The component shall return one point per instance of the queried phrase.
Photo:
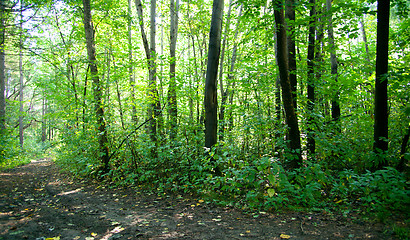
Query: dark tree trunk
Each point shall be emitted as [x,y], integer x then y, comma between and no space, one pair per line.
[290,16]
[380,105]
[2,68]
[311,145]
[290,114]
[99,110]
[210,99]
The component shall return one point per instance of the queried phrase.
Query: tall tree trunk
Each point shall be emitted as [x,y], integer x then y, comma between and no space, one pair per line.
[99,110]
[221,63]
[290,16]
[381,113]
[221,70]
[210,99]
[2,68]
[155,106]
[228,93]
[311,145]
[154,109]
[290,114]
[134,116]
[21,96]
[172,91]
[333,62]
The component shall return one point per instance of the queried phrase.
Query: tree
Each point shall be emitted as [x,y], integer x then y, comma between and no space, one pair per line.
[381,113]
[154,109]
[290,114]
[97,87]
[172,94]
[228,92]
[221,70]
[210,98]
[2,67]
[21,95]
[333,62]
[311,79]
[134,116]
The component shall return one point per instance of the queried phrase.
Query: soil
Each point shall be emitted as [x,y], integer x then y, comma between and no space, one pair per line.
[39,202]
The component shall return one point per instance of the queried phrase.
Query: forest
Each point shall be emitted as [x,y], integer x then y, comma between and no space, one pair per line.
[256,104]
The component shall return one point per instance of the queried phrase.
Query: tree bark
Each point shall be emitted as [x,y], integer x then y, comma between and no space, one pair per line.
[311,145]
[290,114]
[2,68]
[172,91]
[99,110]
[380,105]
[210,98]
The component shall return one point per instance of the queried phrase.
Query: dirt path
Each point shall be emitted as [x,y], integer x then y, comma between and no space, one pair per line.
[38,202]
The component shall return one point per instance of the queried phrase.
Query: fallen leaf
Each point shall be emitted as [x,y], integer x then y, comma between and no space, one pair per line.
[94,234]
[284,236]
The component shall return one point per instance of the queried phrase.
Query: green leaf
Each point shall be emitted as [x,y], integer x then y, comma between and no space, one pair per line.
[271,192]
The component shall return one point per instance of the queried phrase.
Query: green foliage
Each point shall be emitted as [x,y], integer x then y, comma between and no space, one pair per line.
[10,151]
[376,191]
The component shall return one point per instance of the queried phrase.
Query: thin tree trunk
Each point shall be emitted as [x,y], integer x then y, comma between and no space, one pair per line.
[221,70]
[43,119]
[85,96]
[228,93]
[381,113]
[210,99]
[333,62]
[290,16]
[2,68]
[172,94]
[311,145]
[291,118]
[154,109]
[21,96]
[99,110]
[134,117]
[366,44]
[107,83]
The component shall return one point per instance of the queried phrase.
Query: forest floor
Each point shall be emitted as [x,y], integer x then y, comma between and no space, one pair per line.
[38,202]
